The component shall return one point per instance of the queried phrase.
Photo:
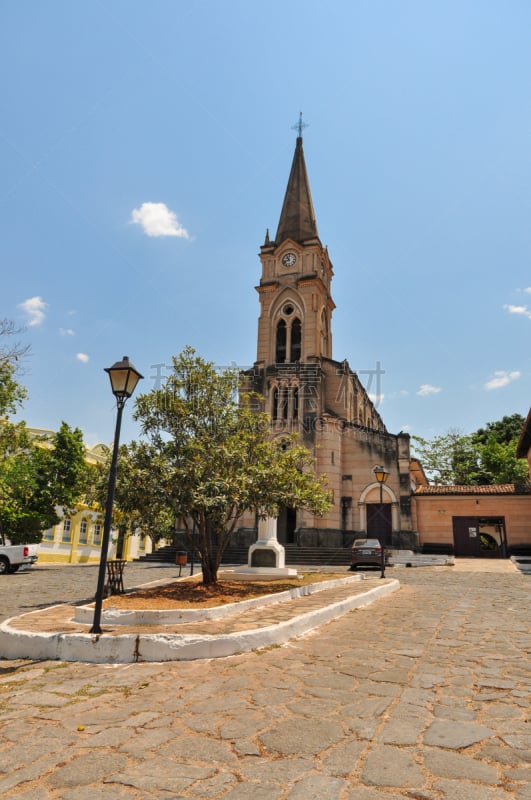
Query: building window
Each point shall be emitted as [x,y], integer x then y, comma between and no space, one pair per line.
[324,334]
[83,532]
[296,339]
[280,351]
[49,535]
[284,400]
[288,341]
[66,534]
[97,535]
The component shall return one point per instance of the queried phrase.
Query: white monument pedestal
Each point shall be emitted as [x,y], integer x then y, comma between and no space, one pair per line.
[266,556]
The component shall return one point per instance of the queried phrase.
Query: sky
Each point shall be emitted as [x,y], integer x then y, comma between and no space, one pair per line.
[145,148]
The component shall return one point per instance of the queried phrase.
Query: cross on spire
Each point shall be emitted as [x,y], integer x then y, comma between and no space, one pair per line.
[299,127]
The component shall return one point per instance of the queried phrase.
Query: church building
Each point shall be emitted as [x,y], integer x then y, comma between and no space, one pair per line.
[307,391]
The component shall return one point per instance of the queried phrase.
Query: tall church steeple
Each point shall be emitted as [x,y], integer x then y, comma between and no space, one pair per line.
[296,304]
[297,218]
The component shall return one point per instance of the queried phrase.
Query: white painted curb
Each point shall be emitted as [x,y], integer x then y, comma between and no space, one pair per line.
[131,648]
[121,616]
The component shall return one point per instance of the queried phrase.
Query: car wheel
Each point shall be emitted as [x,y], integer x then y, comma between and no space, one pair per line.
[4,565]
[13,568]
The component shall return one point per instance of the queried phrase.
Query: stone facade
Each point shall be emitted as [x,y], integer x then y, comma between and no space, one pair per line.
[306,391]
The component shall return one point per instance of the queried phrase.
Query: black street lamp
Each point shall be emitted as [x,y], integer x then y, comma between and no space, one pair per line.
[381,476]
[124,378]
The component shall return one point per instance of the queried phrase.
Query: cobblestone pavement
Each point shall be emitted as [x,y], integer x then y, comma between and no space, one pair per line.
[425,694]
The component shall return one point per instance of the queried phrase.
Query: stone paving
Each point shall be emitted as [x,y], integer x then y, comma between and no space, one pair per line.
[424,694]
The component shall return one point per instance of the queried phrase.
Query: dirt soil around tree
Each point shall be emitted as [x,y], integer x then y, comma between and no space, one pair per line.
[191,593]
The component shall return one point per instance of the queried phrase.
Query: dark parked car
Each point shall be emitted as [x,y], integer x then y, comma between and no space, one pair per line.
[366,553]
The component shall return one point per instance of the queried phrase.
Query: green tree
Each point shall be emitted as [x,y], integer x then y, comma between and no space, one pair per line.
[140,502]
[500,464]
[37,477]
[449,459]
[40,480]
[485,457]
[503,431]
[216,459]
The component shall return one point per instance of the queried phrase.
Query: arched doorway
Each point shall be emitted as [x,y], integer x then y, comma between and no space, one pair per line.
[379,522]
[379,514]
[286,525]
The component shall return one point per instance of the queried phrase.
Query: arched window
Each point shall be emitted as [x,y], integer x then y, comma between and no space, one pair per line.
[283,401]
[296,402]
[280,351]
[275,403]
[324,334]
[295,340]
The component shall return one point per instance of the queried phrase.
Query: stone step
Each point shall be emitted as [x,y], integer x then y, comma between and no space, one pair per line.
[312,556]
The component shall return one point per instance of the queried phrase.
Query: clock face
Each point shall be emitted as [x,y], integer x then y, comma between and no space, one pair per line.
[289,259]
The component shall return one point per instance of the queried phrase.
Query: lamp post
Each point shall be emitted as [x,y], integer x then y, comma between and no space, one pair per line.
[124,378]
[381,475]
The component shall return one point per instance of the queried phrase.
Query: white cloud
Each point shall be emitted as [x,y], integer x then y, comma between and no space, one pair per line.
[67,332]
[528,290]
[426,389]
[34,308]
[83,357]
[518,309]
[157,219]
[501,378]
[376,398]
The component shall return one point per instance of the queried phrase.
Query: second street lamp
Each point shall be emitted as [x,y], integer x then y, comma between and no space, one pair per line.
[381,475]
[124,378]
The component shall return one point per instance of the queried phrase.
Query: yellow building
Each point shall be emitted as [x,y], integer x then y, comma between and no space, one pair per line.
[76,539]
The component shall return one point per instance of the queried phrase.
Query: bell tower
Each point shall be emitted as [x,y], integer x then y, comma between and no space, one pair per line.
[307,392]
[295,301]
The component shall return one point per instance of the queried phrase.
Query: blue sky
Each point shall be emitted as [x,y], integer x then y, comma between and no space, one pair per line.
[145,149]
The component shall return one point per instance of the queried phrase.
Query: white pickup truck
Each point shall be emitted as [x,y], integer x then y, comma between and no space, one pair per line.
[13,556]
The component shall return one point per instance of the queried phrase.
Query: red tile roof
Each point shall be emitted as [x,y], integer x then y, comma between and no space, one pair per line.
[504,488]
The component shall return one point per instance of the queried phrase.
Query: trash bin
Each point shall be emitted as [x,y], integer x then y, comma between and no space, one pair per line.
[181,559]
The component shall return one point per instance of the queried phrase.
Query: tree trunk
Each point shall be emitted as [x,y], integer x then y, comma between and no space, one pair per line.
[209,555]
[210,572]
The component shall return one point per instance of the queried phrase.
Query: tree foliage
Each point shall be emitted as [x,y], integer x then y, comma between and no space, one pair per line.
[37,480]
[504,431]
[140,503]
[212,459]
[36,476]
[485,457]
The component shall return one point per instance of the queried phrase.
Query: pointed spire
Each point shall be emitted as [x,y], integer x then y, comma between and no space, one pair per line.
[297,218]
[267,239]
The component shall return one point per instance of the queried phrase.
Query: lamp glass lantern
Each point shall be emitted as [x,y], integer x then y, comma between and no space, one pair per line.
[124,378]
[381,474]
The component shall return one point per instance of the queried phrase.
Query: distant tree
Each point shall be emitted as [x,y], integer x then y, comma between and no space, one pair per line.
[485,457]
[449,459]
[503,431]
[216,459]
[500,464]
